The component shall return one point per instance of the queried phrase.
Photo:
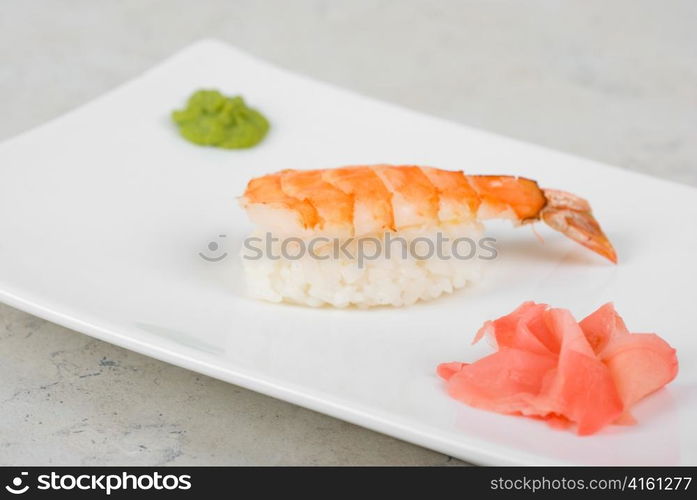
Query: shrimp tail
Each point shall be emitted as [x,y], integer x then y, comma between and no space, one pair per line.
[571,215]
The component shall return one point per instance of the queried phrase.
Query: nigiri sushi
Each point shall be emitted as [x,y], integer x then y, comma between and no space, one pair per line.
[310,214]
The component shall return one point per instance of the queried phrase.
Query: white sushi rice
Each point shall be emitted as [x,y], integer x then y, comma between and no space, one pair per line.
[394,280]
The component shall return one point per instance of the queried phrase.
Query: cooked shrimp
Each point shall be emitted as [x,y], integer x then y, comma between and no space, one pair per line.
[362,200]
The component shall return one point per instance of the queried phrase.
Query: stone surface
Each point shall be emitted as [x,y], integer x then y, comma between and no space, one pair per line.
[613,81]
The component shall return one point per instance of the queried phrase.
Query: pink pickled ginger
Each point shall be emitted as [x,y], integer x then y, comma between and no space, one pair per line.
[550,367]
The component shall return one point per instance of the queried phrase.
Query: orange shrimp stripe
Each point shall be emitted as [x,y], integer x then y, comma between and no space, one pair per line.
[329,196]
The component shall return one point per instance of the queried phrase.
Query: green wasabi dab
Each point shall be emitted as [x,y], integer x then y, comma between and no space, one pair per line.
[212,119]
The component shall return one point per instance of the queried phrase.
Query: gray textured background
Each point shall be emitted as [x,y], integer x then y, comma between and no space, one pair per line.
[613,80]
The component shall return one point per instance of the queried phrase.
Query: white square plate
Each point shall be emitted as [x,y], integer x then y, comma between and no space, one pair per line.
[103,213]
